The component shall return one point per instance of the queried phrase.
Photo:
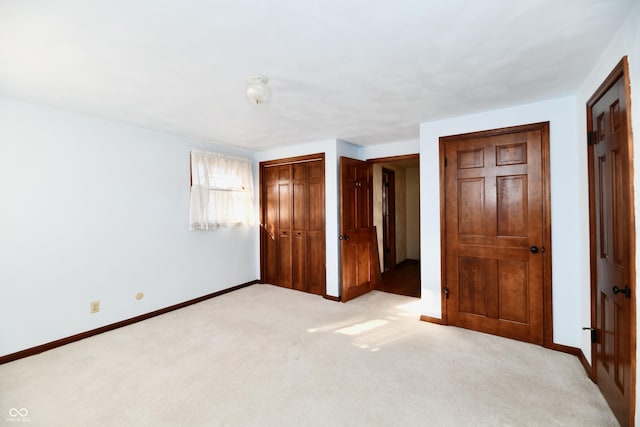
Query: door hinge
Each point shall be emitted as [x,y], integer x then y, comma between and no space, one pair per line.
[591,137]
[594,334]
[445,162]
[446,293]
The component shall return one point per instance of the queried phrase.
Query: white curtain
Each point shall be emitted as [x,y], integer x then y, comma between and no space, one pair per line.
[221,191]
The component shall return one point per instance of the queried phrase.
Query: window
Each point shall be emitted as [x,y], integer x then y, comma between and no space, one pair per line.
[221,191]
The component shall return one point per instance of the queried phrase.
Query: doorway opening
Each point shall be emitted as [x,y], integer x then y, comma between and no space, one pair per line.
[396,216]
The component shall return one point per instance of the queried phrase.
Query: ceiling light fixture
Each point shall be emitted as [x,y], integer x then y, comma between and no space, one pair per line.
[257,90]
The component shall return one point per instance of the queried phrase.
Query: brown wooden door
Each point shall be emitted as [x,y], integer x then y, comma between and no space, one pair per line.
[277,225]
[611,213]
[308,234]
[356,228]
[270,221]
[315,254]
[285,224]
[494,239]
[300,198]
[293,223]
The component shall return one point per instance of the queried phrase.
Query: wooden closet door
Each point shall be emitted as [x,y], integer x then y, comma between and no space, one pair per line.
[299,219]
[293,223]
[270,205]
[315,249]
[284,229]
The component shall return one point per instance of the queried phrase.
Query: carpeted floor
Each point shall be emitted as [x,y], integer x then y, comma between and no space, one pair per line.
[266,356]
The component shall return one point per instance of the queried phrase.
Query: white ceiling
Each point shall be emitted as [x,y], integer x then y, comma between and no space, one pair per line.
[367,72]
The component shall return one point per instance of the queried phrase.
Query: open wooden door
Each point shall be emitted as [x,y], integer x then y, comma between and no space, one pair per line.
[612,244]
[357,234]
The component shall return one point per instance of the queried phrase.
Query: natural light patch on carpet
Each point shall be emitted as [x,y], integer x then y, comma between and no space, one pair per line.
[414,308]
[336,325]
[362,327]
[381,337]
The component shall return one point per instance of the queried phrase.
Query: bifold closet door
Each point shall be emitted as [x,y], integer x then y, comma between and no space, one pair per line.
[294,225]
[308,250]
[285,194]
[315,240]
[300,202]
[269,221]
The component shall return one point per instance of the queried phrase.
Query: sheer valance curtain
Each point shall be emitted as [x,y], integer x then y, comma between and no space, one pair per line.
[221,191]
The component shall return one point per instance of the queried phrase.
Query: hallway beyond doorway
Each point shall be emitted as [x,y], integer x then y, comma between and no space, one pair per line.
[404,279]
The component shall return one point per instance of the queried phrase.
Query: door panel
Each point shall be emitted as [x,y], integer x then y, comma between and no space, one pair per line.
[610,190]
[511,206]
[493,215]
[270,220]
[284,226]
[300,200]
[513,289]
[471,210]
[357,232]
[299,227]
[315,243]
[474,282]
[298,261]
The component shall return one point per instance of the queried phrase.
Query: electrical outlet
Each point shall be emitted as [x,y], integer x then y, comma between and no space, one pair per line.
[94,306]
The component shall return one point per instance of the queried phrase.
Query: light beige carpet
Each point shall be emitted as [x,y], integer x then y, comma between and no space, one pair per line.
[267,356]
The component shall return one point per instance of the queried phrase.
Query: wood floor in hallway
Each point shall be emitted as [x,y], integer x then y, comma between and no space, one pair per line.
[404,279]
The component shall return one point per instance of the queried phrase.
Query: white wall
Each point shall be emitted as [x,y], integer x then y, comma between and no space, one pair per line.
[376,175]
[569,260]
[625,42]
[400,148]
[413,213]
[93,210]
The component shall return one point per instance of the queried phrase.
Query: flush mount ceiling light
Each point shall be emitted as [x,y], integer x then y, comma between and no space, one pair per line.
[257,90]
